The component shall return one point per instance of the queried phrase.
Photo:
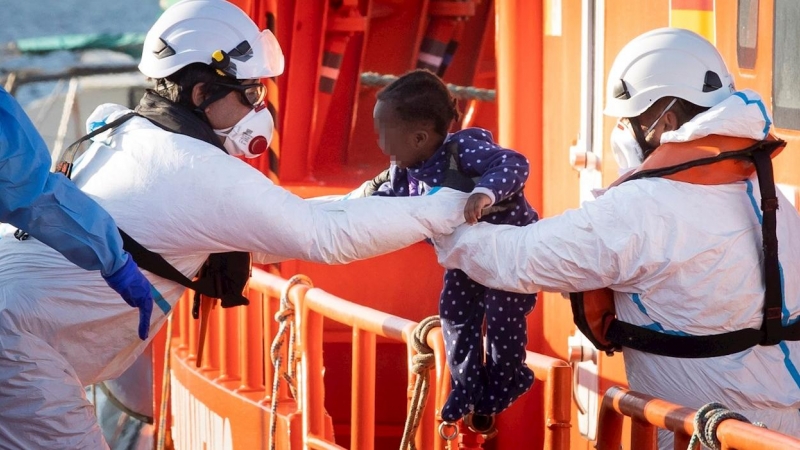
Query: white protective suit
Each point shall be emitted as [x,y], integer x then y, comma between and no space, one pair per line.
[681,258]
[62,327]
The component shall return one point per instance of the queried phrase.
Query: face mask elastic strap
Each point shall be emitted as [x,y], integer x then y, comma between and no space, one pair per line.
[660,116]
[637,133]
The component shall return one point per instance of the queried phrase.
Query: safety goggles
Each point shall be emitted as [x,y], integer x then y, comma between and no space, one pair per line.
[252,94]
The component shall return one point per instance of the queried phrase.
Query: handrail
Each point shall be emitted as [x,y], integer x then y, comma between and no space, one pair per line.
[557,376]
[368,323]
[649,413]
[241,371]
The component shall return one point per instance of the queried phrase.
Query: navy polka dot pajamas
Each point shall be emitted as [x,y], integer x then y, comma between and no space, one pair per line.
[484,380]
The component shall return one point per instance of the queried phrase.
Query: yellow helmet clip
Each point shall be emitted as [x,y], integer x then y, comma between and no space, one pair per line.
[220,61]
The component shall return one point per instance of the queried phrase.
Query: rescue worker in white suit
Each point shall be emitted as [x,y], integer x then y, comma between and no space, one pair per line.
[50,208]
[682,258]
[168,178]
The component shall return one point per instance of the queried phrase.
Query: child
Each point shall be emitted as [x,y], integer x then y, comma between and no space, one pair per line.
[412,118]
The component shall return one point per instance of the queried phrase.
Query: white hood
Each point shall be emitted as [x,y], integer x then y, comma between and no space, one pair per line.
[743,114]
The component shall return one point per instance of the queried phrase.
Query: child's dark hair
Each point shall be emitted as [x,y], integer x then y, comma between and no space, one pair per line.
[421,96]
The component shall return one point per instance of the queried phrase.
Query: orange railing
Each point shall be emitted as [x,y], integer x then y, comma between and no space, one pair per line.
[234,383]
[647,414]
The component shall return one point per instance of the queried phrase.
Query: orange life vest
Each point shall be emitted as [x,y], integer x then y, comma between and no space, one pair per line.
[709,160]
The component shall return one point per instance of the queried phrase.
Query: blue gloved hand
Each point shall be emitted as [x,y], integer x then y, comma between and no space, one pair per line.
[134,288]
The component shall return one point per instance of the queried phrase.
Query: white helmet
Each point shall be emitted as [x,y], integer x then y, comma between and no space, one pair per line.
[667,62]
[191,31]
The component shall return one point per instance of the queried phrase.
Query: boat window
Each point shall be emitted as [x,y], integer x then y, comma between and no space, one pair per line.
[746,36]
[786,65]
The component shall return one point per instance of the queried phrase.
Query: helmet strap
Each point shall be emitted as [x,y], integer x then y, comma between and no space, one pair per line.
[201,108]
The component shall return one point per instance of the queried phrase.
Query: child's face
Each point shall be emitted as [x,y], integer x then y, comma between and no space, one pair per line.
[406,143]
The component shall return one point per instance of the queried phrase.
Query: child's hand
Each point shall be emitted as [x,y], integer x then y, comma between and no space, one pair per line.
[475,204]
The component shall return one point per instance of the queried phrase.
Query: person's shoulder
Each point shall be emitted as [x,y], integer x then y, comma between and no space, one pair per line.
[472,133]
[645,193]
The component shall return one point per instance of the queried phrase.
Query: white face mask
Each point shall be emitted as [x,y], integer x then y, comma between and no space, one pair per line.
[627,151]
[250,137]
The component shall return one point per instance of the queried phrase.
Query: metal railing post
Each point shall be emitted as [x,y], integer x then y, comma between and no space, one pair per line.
[362,403]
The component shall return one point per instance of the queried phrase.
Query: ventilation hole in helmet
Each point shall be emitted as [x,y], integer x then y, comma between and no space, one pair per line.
[621,90]
[243,49]
[162,49]
[712,82]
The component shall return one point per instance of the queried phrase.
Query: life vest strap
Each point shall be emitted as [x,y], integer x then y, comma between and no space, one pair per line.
[679,346]
[773,295]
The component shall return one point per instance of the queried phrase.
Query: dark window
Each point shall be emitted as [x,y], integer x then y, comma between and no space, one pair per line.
[746,36]
[786,65]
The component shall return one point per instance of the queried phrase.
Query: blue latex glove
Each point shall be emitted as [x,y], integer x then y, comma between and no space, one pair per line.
[134,288]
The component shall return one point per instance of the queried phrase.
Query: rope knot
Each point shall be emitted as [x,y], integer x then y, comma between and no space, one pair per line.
[422,362]
[284,314]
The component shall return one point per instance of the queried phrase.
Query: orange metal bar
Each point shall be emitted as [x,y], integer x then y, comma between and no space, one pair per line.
[251,336]
[183,316]
[312,385]
[332,56]
[352,314]
[649,412]
[158,345]
[362,405]
[228,344]
[609,424]
[557,376]
[343,22]
[519,48]
[734,434]
[272,168]
[210,344]
[643,433]
[300,104]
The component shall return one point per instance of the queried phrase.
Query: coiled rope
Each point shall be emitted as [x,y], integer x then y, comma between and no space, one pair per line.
[285,317]
[706,422]
[421,364]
